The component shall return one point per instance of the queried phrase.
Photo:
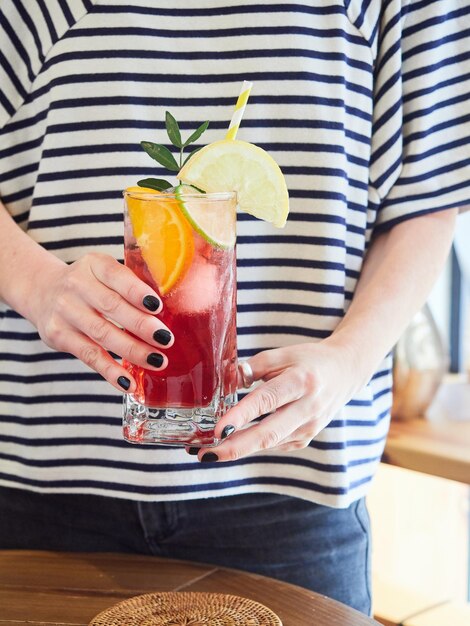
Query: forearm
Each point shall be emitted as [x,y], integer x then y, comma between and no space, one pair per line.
[398,273]
[22,265]
[85,308]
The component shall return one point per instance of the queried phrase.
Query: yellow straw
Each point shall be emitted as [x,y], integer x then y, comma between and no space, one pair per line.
[239,110]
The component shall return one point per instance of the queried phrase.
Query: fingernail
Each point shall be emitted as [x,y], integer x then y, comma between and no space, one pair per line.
[162,336]
[151,303]
[124,382]
[209,457]
[193,451]
[155,359]
[228,430]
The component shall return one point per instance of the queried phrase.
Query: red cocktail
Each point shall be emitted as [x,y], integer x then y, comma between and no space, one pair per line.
[183,246]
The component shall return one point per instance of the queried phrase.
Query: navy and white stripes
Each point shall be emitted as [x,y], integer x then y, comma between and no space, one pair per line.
[363,103]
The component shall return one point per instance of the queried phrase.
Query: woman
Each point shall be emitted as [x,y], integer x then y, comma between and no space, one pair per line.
[362,105]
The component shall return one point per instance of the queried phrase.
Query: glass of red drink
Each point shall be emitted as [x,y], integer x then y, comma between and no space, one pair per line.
[182,244]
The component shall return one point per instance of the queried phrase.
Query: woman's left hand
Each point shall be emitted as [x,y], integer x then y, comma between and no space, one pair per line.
[304,386]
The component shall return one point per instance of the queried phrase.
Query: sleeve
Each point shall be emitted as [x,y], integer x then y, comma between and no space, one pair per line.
[28,30]
[420,153]
[20,57]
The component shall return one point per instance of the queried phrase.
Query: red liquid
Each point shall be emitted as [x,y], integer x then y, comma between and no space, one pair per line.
[200,312]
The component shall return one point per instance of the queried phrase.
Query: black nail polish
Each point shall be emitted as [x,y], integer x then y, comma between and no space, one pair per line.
[228,430]
[151,303]
[209,457]
[155,359]
[193,451]
[162,336]
[124,382]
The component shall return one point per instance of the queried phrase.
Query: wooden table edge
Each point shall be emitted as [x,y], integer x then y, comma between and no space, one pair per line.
[211,571]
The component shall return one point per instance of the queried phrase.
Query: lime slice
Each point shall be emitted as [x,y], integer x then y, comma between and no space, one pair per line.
[212,218]
[233,165]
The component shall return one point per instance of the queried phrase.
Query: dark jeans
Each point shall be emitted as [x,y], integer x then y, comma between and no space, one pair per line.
[323,549]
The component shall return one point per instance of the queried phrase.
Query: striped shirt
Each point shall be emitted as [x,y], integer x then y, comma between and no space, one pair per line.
[365,106]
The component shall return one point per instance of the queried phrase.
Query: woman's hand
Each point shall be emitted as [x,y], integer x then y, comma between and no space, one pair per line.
[304,386]
[83,308]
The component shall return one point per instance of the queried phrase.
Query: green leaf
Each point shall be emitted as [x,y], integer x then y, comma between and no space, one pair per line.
[197,133]
[161,154]
[173,130]
[198,189]
[155,183]
[191,153]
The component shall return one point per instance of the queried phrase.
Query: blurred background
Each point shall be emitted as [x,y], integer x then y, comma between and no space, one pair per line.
[420,500]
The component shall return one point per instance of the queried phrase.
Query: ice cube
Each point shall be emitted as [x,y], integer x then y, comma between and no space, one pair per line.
[199,290]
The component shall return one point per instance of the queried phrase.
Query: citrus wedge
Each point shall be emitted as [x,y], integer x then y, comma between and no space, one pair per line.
[213,218]
[163,235]
[233,165]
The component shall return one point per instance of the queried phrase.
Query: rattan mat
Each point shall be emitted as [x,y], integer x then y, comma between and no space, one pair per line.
[180,608]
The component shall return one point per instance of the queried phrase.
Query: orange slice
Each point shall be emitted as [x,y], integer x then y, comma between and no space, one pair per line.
[163,235]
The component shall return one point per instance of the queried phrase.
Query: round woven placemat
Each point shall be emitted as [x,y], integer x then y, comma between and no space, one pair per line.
[180,608]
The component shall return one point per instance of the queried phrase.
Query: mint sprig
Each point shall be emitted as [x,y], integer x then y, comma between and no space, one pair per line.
[162,155]
[155,183]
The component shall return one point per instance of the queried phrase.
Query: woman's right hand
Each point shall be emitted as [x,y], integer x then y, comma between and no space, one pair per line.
[83,308]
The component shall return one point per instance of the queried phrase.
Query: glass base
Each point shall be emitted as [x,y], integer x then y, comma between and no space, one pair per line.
[174,427]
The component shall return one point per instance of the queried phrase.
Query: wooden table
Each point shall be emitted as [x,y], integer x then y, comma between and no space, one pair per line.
[65,589]
[440,444]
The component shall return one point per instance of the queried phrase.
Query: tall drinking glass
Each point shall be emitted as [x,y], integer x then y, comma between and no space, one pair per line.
[183,246]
